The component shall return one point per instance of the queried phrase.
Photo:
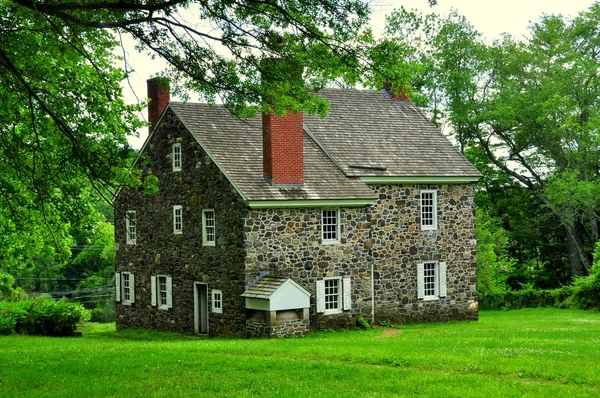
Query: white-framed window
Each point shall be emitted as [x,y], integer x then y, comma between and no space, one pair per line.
[330,226]
[429,209]
[125,287]
[334,295]
[130,227]
[162,292]
[176,156]
[431,280]
[177,219]
[208,227]
[217,301]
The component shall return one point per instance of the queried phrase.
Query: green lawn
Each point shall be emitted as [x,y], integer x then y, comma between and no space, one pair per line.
[536,352]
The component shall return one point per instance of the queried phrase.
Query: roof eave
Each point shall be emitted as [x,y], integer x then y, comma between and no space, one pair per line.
[281,204]
[419,179]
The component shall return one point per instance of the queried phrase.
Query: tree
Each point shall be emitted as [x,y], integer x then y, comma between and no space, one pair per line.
[63,122]
[531,106]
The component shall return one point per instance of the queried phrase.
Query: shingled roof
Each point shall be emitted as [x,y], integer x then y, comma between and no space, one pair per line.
[366,134]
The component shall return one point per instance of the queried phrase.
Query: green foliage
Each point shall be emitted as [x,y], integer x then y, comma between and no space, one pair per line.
[386,323]
[7,292]
[106,312]
[530,106]
[527,297]
[41,316]
[494,266]
[362,323]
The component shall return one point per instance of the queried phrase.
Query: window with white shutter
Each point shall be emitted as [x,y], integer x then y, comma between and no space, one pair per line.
[127,288]
[117,286]
[431,280]
[162,292]
[334,295]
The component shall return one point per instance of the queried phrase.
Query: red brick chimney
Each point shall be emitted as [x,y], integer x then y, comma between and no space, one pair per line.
[283,149]
[159,98]
[283,136]
[399,94]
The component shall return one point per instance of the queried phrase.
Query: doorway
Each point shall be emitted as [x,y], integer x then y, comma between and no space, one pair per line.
[201,307]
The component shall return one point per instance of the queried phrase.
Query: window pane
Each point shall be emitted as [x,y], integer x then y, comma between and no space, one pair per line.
[429,279]
[162,287]
[332,294]
[209,226]
[329,225]
[427,208]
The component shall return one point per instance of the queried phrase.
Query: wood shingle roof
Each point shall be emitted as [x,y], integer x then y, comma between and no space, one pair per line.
[365,134]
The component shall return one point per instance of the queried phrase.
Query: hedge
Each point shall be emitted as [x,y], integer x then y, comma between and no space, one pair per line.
[41,316]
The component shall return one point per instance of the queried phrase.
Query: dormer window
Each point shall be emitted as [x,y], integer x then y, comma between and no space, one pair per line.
[176,156]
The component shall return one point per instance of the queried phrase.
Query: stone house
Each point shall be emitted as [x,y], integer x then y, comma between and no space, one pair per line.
[279,225]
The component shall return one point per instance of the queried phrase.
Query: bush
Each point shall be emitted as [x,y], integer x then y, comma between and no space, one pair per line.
[11,315]
[105,313]
[42,316]
[7,292]
[528,297]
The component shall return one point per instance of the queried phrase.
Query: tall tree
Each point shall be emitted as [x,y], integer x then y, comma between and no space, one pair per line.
[531,106]
[63,122]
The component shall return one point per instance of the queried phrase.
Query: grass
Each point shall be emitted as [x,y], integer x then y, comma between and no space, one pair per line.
[533,352]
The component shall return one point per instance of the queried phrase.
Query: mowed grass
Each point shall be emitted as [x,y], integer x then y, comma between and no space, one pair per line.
[536,352]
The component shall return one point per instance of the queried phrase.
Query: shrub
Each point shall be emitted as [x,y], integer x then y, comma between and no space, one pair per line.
[41,315]
[105,313]
[7,292]
[11,315]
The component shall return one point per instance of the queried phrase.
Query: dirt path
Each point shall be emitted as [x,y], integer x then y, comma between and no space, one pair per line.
[388,332]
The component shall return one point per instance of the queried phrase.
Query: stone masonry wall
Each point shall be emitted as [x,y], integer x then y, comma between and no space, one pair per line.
[386,238]
[159,251]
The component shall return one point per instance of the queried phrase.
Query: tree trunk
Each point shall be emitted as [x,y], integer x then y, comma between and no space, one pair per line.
[579,262]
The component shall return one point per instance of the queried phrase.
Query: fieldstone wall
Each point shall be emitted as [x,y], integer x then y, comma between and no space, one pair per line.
[379,249]
[159,251]
[286,326]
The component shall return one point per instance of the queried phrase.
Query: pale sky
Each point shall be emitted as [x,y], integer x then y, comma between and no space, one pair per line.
[490,17]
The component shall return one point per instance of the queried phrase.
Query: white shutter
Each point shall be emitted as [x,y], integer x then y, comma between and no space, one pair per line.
[169,292]
[117,286]
[132,288]
[443,277]
[347,293]
[153,290]
[321,296]
[420,281]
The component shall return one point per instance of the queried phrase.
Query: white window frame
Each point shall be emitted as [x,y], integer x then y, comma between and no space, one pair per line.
[209,232]
[325,224]
[162,292]
[428,210]
[432,280]
[177,219]
[343,297]
[177,158]
[130,227]
[127,288]
[217,301]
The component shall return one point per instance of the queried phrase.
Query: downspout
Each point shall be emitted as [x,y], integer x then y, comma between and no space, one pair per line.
[372,294]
